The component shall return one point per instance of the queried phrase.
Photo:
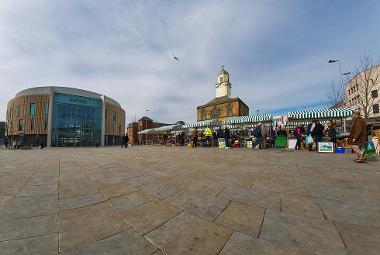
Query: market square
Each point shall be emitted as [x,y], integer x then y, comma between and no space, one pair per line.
[183,200]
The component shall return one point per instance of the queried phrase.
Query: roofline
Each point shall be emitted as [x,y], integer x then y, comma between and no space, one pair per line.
[48,90]
[373,67]
[228,100]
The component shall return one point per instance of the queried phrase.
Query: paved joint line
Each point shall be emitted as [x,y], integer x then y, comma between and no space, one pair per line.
[35,171]
[222,211]
[144,234]
[341,237]
[221,191]
[23,238]
[262,223]
[225,242]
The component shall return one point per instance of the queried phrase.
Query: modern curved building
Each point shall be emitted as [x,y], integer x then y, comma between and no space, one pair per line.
[64,117]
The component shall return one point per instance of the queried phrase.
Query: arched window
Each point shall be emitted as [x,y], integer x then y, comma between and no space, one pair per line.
[229,110]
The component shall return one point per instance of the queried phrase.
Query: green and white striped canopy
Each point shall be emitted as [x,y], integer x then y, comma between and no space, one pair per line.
[248,119]
[203,123]
[160,130]
[321,114]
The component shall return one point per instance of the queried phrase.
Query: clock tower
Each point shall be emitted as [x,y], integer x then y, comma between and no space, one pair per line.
[223,85]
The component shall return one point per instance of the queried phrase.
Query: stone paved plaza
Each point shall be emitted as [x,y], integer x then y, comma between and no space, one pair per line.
[174,200]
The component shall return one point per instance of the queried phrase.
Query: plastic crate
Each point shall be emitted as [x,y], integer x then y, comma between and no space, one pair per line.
[340,150]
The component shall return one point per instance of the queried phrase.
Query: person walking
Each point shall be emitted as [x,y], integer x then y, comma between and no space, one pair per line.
[257,135]
[126,141]
[195,137]
[358,136]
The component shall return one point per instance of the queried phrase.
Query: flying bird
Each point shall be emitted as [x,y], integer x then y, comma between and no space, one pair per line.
[175,58]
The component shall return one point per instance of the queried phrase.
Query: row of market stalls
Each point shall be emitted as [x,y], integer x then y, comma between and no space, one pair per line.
[294,119]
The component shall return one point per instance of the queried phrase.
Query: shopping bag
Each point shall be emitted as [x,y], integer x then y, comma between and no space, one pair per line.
[309,139]
[370,149]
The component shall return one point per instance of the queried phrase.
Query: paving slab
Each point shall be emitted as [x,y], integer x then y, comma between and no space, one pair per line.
[304,233]
[80,201]
[161,189]
[33,206]
[38,190]
[260,198]
[116,190]
[360,239]
[126,242]
[349,212]
[188,234]
[241,244]
[146,217]
[131,200]
[202,205]
[46,244]
[16,228]
[88,224]
[69,189]
[244,218]
[300,205]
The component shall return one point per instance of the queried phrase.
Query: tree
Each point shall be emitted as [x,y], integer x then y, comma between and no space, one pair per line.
[336,94]
[365,78]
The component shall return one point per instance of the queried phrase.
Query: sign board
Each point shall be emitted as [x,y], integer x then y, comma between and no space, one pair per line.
[292,143]
[222,143]
[326,147]
[249,144]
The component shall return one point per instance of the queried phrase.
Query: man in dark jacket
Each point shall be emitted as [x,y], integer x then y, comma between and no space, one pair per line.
[317,133]
[258,136]
[358,136]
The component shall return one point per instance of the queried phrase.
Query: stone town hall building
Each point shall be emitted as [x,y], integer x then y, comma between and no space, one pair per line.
[223,105]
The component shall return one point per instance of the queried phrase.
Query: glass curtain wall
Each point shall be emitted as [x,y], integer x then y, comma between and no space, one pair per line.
[77,121]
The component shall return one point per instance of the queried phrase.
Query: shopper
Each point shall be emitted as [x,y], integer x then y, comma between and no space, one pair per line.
[195,137]
[358,136]
[257,135]
[264,134]
[317,132]
[227,136]
[298,134]
[332,133]
[309,133]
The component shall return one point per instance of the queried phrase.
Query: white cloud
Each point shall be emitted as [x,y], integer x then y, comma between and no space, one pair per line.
[122,49]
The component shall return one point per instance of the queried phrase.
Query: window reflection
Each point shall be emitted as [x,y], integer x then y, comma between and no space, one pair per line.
[76,121]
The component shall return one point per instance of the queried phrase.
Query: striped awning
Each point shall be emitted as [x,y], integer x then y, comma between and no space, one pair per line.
[248,119]
[167,128]
[321,114]
[146,131]
[203,123]
[160,130]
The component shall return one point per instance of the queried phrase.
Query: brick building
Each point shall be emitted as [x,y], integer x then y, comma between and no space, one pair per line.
[223,105]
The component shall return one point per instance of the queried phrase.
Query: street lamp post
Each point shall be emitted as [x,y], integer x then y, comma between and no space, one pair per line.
[146,125]
[341,76]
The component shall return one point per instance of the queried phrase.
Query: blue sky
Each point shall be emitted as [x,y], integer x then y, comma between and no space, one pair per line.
[275,51]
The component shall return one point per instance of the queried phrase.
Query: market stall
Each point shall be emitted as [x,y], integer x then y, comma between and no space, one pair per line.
[337,115]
